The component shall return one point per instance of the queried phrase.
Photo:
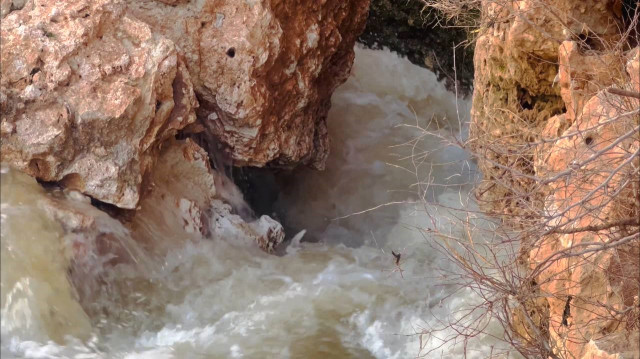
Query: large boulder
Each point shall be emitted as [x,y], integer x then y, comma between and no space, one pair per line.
[91,89]
[88,92]
[264,70]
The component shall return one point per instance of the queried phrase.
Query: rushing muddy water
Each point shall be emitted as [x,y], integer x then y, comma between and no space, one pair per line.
[339,296]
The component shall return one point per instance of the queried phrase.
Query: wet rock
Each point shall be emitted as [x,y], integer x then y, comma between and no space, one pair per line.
[93,94]
[181,188]
[87,94]
[188,200]
[264,71]
[97,240]
[265,231]
[183,204]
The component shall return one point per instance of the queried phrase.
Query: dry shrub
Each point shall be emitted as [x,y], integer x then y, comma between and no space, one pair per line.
[557,263]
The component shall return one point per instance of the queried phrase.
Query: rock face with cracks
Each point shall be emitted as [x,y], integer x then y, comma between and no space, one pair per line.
[597,208]
[90,90]
[516,88]
[542,106]
[88,93]
[263,70]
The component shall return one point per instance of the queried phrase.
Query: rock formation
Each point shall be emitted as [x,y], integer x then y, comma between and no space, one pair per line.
[263,71]
[597,209]
[93,94]
[92,89]
[107,102]
[554,127]
[190,200]
[88,94]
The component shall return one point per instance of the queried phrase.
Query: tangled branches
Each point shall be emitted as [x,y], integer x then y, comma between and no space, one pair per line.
[554,255]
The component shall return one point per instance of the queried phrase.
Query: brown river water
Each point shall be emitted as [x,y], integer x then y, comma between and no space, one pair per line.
[335,294]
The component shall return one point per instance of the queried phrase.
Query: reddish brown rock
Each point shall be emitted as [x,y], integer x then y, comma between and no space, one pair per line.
[90,90]
[541,106]
[583,72]
[597,191]
[264,70]
[516,87]
[87,94]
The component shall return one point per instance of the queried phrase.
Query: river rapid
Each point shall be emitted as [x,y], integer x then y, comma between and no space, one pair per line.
[334,292]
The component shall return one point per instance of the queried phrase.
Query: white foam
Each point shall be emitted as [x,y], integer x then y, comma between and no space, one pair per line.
[341,297]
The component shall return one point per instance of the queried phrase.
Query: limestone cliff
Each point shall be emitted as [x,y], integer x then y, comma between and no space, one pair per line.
[555,119]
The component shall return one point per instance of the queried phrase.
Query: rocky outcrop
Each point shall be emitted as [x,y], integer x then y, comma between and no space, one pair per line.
[107,102]
[516,87]
[88,93]
[186,200]
[264,70]
[512,97]
[71,263]
[597,212]
[91,89]
[554,126]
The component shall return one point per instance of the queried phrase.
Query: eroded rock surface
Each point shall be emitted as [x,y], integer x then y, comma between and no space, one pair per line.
[516,87]
[263,70]
[88,92]
[187,199]
[597,208]
[559,150]
[91,89]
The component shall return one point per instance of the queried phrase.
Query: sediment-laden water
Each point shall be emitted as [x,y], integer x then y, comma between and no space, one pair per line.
[338,296]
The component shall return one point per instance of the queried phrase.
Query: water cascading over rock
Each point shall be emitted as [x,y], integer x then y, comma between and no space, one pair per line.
[93,94]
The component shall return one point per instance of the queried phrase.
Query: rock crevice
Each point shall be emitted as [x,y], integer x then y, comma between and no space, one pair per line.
[559,152]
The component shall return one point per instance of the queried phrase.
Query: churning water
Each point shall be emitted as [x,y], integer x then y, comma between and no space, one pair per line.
[340,295]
